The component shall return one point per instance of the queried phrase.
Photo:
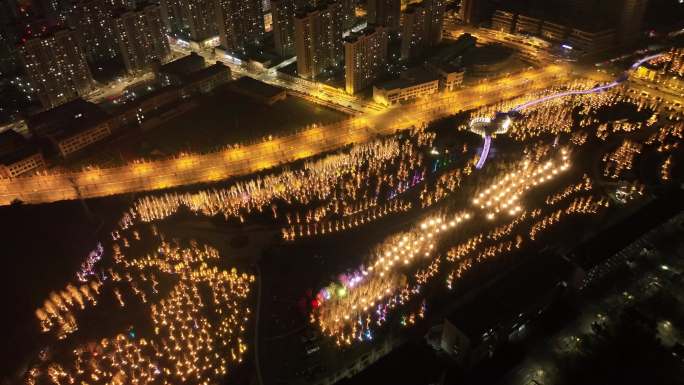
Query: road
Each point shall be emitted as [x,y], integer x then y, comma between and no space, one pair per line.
[529,49]
[116,88]
[316,92]
[201,168]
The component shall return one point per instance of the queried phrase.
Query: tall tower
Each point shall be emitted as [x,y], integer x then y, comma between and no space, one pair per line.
[365,58]
[240,23]
[283,12]
[141,35]
[386,13]
[57,68]
[318,38]
[190,19]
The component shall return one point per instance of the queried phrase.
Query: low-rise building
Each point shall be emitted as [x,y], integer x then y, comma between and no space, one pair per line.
[412,84]
[489,60]
[207,79]
[190,73]
[17,155]
[503,21]
[528,24]
[450,75]
[554,32]
[174,72]
[71,127]
[136,112]
[473,333]
[591,40]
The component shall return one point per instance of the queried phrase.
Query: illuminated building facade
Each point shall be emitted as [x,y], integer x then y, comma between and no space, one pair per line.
[365,58]
[141,35]
[241,23]
[193,20]
[412,84]
[386,13]
[318,39]
[57,68]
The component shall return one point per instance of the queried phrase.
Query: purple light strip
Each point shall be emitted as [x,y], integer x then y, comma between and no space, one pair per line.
[589,91]
[566,93]
[485,152]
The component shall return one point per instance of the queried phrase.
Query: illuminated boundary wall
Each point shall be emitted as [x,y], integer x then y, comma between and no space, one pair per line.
[216,166]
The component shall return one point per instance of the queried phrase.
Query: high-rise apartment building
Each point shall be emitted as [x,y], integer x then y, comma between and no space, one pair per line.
[435,13]
[348,13]
[282,13]
[422,28]
[365,58]
[94,22]
[386,13]
[55,10]
[241,23]
[467,11]
[414,31]
[57,68]
[474,12]
[193,20]
[8,50]
[318,38]
[141,35]
[630,19]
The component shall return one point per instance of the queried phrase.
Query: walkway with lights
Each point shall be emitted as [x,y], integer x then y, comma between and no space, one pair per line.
[621,79]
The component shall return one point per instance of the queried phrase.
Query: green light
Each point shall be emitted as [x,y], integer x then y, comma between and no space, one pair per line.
[342,292]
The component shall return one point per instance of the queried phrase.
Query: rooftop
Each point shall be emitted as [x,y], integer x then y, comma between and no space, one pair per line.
[253,86]
[14,147]
[409,78]
[354,36]
[488,54]
[67,119]
[184,66]
[513,295]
